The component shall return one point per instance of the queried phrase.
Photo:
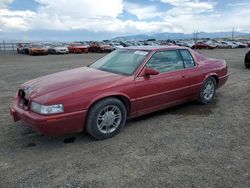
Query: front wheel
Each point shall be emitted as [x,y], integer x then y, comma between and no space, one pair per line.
[208,91]
[247,61]
[106,118]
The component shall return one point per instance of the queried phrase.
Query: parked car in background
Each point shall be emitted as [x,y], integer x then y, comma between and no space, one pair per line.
[202,45]
[116,45]
[189,44]
[212,44]
[181,43]
[19,47]
[58,48]
[37,49]
[239,44]
[126,83]
[25,49]
[224,44]
[47,45]
[247,59]
[100,47]
[78,48]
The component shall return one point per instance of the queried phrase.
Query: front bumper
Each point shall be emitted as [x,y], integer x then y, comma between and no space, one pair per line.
[50,125]
[62,51]
[39,52]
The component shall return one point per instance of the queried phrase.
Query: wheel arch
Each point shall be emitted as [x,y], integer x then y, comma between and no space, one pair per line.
[123,98]
[213,75]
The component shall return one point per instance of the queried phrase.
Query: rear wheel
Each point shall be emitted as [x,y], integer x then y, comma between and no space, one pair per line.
[208,91]
[247,61]
[106,118]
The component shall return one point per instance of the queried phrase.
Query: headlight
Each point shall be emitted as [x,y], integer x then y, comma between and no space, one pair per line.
[43,109]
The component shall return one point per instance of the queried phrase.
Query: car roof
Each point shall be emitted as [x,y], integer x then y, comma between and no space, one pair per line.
[155,48]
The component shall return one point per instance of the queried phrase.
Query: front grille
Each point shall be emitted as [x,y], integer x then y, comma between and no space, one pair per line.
[23,102]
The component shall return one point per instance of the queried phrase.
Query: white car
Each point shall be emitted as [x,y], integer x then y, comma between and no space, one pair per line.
[226,44]
[240,45]
[212,44]
[58,49]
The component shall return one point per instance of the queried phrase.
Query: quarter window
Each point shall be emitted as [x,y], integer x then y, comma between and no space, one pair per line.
[187,58]
[166,61]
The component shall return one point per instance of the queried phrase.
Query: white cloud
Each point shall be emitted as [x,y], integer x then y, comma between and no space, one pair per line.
[15,20]
[142,12]
[81,8]
[238,4]
[182,7]
[5,3]
[103,16]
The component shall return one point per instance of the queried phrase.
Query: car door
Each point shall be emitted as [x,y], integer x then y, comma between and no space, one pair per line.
[166,88]
[192,72]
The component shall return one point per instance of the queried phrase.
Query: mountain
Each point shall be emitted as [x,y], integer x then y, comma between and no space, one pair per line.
[172,36]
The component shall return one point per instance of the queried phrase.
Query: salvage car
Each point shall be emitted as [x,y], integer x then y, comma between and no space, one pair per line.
[58,48]
[202,45]
[77,48]
[100,47]
[25,49]
[247,59]
[37,49]
[126,83]
[20,46]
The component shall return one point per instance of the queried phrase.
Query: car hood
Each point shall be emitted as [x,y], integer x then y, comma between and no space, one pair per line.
[83,78]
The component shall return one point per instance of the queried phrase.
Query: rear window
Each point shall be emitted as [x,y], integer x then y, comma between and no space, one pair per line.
[187,58]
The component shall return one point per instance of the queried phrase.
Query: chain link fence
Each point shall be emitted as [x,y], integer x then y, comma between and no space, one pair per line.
[8,47]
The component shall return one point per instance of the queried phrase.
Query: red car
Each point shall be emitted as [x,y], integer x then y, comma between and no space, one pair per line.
[100,47]
[77,48]
[128,82]
[202,45]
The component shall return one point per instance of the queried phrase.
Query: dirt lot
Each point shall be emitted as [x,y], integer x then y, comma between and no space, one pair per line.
[186,146]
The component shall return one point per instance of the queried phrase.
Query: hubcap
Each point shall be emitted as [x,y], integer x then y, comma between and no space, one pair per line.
[208,91]
[109,119]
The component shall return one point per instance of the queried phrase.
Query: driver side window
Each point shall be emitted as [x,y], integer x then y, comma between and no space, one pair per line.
[166,61]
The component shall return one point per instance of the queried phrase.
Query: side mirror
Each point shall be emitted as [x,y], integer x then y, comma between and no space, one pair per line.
[149,71]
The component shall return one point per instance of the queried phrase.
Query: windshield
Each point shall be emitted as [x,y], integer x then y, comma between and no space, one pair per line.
[121,61]
[59,45]
[77,44]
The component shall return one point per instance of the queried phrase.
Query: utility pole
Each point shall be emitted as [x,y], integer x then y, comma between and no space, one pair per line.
[196,36]
[233,34]
[4,45]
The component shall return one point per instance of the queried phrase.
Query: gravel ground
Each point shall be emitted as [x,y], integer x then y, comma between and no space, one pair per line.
[190,145]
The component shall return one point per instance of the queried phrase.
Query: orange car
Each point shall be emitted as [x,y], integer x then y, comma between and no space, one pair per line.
[78,48]
[37,49]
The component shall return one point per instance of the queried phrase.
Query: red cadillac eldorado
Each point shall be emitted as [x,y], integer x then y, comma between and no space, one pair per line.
[128,82]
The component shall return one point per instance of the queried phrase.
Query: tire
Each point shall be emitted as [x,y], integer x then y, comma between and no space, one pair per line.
[106,118]
[207,91]
[247,61]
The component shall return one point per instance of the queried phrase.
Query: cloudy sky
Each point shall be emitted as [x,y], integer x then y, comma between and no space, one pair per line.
[100,19]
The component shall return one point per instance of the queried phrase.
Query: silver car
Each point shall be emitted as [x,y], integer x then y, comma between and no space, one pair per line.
[58,49]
